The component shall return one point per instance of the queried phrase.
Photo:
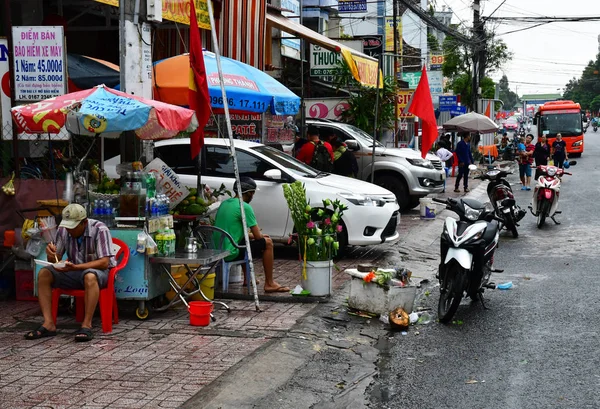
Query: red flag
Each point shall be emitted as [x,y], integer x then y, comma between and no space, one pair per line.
[422,106]
[199,99]
[487,110]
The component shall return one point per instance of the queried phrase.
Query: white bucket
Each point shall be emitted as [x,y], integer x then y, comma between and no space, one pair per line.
[427,208]
[318,277]
[236,274]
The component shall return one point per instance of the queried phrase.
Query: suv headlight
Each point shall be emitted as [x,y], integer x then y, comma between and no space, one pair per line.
[424,163]
[472,214]
[359,200]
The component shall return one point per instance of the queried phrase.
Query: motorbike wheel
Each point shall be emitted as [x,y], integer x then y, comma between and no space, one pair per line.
[450,294]
[541,219]
[511,225]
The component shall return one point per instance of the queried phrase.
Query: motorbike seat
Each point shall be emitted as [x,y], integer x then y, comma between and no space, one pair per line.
[490,232]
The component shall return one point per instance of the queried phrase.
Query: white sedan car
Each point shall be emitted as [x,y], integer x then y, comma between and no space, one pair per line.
[372,216]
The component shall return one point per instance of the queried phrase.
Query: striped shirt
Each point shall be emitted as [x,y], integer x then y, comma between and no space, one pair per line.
[96,243]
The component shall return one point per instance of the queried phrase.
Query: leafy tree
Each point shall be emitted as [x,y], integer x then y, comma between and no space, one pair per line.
[361,111]
[458,64]
[585,89]
[432,43]
[509,98]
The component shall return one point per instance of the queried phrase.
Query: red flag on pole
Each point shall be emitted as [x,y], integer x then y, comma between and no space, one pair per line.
[199,99]
[488,109]
[422,106]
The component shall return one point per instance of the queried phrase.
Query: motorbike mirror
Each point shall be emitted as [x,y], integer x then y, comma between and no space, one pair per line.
[472,167]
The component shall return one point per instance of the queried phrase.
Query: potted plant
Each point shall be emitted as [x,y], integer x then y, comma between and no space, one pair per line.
[317,229]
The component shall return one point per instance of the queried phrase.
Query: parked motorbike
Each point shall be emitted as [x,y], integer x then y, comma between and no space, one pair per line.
[467,254]
[546,194]
[595,126]
[502,199]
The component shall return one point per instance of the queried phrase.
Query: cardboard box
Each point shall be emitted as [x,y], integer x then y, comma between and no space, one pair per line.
[56,206]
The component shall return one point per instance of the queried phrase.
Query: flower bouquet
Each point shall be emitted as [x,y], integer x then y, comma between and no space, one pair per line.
[317,227]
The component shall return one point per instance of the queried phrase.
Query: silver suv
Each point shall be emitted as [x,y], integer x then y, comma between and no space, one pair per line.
[400,170]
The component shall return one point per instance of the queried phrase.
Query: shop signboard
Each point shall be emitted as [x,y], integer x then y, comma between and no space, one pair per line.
[352,6]
[178,11]
[323,62]
[372,45]
[458,110]
[389,34]
[412,78]
[435,79]
[447,102]
[327,108]
[247,127]
[39,62]
[6,123]
[436,61]
[167,182]
[290,46]
[402,99]
[277,131]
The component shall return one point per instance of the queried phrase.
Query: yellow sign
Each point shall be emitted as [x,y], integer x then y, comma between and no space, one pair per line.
[389,34]
[363,70]
[402,99]
[436,60]
[178,11]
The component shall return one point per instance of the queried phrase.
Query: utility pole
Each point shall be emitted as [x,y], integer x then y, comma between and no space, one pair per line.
[478,53]
[396,70]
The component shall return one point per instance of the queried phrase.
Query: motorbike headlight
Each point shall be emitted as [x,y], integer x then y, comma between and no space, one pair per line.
[551,171]
[472,214]
[357,199]
[423,163]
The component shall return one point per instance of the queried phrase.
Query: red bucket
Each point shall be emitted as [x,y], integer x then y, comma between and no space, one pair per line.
[200,313]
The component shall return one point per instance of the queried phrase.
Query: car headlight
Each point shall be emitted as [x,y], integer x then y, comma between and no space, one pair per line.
[424,163]
[358,199]
[578,143]
[472,214]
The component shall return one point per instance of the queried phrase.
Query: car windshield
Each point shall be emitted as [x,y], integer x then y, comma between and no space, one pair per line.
[289,162]
[568,124]
[360,134]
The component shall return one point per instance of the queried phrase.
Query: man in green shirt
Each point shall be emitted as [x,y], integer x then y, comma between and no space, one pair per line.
[229,218]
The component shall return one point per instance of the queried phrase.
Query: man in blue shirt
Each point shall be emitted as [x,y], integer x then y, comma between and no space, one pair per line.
[465,158]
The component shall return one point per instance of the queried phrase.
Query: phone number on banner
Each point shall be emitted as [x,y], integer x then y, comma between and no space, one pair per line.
[240,103]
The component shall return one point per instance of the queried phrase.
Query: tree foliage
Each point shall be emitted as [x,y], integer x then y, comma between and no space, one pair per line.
[362,101]
[458,65]
[586,89]
[509,98]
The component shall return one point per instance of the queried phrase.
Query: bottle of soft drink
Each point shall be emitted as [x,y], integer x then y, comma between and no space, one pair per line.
[160,243]
[150,185]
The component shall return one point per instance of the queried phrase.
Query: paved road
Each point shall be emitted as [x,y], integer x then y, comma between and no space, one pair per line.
[537,345]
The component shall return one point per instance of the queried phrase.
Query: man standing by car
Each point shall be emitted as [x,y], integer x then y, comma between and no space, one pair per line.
[314,153]
[465,158]
[229,218]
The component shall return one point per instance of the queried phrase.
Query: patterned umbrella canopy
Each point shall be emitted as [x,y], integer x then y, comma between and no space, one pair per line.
[103,110]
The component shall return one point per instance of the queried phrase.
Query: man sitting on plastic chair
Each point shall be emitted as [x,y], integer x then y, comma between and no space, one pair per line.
[88,245]
[229,218]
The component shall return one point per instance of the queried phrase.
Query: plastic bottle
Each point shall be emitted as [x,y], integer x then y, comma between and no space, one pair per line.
[160,243]
[150,185]
[172,240]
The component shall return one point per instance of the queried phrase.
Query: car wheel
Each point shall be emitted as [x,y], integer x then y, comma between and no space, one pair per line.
[398,187]
[413,202]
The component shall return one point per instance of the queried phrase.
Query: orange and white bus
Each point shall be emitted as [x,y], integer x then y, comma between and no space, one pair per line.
[564,117]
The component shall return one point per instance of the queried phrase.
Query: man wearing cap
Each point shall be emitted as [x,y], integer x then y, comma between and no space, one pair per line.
[88,245]
[229,218]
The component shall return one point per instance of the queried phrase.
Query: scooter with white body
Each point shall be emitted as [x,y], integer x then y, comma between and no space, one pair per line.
[546,193]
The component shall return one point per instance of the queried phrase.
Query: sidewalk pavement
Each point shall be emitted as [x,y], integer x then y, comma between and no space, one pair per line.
[163,362]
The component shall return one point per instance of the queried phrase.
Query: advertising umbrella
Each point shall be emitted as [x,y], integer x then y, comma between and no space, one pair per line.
[248,90]
[103,110]
[471,122]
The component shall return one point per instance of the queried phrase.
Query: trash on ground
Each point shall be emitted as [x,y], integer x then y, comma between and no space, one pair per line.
[413,317]
[424,319]
[384,318]
[471,381]
[505,286]
[398,319]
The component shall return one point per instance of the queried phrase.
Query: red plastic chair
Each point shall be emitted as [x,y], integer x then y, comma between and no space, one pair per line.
[107,299]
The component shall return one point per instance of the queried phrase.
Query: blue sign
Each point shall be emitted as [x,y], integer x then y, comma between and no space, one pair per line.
[352,6]
[458,110]
[447,102]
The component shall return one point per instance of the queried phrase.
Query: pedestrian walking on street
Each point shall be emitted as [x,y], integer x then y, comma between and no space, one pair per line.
[465,158]
[541,153]
[559,151]
[445,155]
[525,162]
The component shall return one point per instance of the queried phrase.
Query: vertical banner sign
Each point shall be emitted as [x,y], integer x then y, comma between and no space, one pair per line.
[402,99]
[436,87]
[389,34]
[6,123]
[39,62]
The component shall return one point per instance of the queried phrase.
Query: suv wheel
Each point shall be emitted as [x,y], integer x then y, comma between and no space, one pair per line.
[398,187]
